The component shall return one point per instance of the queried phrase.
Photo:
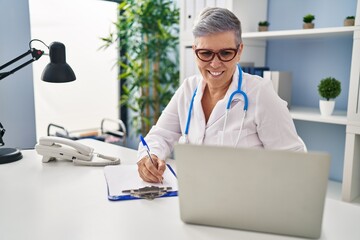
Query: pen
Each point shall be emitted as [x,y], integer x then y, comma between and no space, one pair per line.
[147,150]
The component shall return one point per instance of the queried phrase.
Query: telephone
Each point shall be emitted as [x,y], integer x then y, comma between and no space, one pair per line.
[53,148]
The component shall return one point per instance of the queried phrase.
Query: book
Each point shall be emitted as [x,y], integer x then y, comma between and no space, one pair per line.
[255,70]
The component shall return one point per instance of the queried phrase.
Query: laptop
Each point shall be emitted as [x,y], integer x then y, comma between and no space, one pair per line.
[272,191]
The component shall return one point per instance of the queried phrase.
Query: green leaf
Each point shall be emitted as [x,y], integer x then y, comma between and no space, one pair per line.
[147,32]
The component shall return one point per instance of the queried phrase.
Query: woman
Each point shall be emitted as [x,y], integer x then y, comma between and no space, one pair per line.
[197,114]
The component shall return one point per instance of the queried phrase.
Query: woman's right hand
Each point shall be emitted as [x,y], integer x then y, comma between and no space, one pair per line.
[151,172]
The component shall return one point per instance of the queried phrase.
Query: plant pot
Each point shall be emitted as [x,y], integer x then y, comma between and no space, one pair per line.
[263,28]
[308,25]
[326,107]
[349,22]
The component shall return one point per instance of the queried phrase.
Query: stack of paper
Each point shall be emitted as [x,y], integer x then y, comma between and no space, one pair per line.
[126,177]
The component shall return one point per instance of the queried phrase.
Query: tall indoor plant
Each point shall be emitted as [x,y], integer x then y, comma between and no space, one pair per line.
[147,31]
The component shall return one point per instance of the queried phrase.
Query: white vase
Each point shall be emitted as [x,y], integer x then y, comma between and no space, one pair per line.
[326,107]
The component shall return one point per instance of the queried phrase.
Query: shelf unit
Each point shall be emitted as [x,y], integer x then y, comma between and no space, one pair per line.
[298,112]
[301,33]
[256,52]
[313,115]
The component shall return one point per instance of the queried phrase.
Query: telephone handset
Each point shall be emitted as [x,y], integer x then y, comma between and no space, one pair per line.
[53,148]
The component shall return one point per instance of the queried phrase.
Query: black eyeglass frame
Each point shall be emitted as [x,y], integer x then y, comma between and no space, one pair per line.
[217,53]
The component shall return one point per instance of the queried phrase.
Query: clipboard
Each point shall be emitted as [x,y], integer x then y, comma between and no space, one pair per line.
[123,178]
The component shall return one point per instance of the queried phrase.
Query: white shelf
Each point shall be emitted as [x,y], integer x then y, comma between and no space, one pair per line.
[313,115]
[302,33]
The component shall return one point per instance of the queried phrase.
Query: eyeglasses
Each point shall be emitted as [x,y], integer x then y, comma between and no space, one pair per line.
[225,54]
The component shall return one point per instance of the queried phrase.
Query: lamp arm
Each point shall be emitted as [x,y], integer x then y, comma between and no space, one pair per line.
[2,132]
[36,54]
[15,59]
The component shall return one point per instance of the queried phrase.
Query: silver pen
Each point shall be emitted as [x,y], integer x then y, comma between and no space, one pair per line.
[148,151]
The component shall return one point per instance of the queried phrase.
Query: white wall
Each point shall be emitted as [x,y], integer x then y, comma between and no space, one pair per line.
[78,24]
[16,90]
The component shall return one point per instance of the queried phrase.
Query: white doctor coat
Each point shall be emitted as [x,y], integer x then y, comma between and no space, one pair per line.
[267,124]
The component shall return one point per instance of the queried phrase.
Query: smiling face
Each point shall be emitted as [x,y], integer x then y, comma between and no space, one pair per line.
[217,73]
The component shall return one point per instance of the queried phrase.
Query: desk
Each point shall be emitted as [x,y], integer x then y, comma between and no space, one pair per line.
[60,201]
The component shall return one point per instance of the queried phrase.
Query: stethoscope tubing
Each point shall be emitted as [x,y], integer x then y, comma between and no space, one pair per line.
[238,91]
[189,113]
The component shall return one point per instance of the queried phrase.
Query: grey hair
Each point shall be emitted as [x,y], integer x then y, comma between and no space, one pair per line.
[217,20]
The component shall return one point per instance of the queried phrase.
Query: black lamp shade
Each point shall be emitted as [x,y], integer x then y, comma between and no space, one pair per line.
[58,71]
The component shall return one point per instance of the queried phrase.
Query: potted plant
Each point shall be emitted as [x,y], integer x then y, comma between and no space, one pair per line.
[308,24]
[263,26]
[349,21]
[328,88]
[147,34]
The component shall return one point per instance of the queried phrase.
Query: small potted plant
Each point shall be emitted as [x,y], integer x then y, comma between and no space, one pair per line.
[263,26]
[349,21]
[308,24]
[329,88]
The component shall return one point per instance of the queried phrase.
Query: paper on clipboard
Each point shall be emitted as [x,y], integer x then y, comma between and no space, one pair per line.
[126,177]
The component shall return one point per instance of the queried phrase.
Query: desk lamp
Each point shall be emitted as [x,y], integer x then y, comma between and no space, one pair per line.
[57,71]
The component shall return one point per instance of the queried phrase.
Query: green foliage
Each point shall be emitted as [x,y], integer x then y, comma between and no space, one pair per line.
[308,18]
[264,23]
[147,31]
[350,17]
[329,88]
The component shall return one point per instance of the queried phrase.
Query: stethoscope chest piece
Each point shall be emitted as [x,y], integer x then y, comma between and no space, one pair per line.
[183,139]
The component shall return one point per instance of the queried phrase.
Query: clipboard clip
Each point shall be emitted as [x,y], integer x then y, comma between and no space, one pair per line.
[148,192]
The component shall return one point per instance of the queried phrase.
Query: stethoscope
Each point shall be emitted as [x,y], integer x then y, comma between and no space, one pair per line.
[184,138]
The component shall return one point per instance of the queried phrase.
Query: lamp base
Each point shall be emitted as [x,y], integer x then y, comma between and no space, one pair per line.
[8,155]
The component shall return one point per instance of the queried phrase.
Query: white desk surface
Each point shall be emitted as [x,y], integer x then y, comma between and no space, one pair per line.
[60,201]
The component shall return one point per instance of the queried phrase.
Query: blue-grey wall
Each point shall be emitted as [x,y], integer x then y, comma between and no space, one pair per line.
[311,60]
[17,111]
